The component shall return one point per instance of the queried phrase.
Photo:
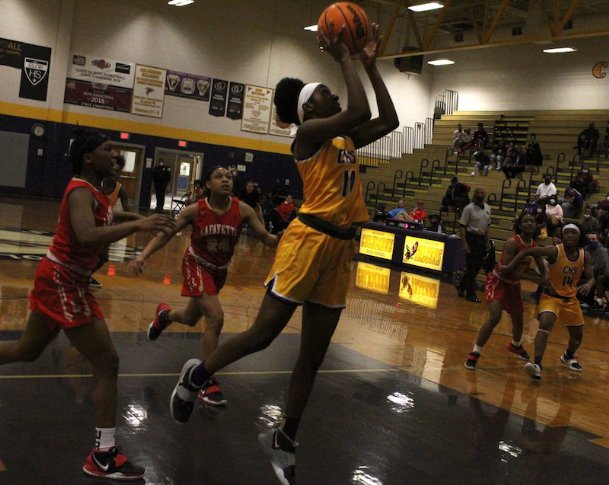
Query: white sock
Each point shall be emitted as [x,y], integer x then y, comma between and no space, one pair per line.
[477,349]
[104,438]
[516,344]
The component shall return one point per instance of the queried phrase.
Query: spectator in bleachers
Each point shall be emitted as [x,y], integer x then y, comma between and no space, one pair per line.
[456,195]
[483,162]
[418,214]
[458,135]
[198,192]
[590,223]
[480,137]
[587,141]
[545,189]
[466,142]
[533,155]
[572,203]
[554,215]
[584,182]
[400,208]
[435,223]
[513,163]
[600,263]
[497,153]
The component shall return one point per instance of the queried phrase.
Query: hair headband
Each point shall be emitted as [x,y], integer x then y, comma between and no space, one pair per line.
[304,96]
[571,226]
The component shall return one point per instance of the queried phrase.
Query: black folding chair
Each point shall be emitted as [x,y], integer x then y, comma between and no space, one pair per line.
[177,204]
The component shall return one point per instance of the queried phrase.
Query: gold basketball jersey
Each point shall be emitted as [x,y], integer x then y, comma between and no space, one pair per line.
[564,274]
[332,187]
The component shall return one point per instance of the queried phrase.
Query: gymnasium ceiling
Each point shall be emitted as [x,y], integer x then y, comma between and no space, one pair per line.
[485,23]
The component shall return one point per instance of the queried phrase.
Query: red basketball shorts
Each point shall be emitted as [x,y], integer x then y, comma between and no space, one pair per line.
[63,296]
[197,279]
[508,294]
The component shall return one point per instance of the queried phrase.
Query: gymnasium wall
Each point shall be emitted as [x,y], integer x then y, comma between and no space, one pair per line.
[522,77]
[249,42]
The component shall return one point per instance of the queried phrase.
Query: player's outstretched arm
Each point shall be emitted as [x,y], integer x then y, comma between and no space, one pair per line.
[89,235]
[387,120]
[251,218]
[547,251]
[185,217]
[588,286]
[123,216]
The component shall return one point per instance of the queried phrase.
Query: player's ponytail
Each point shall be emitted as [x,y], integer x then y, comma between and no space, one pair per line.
[83,141]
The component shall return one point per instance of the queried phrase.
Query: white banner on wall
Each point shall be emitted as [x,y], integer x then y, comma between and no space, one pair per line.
[148,91]
[97,69]
[257,109]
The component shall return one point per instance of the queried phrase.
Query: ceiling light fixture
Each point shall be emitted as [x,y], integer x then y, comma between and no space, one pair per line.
[311,28]
[424,7]
[441,62]
[559,50]
[180,3]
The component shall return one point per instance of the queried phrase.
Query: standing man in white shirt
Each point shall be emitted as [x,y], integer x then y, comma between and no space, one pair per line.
[475,221]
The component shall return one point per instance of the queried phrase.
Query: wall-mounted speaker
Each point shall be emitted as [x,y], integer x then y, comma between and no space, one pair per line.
[410,65]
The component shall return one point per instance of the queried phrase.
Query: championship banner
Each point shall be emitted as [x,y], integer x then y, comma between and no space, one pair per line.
[372,278]
[35,64]
[376,243]
[184,85]
[274,129]
[217,104]
[425,253]
[234,110]
[418,289]
[148,91]
[96,82]
[257,109]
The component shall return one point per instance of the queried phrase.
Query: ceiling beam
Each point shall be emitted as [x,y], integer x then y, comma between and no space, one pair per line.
[439,19]
[472,15]
[500,43]
[389,30]
[487,33]
[559,26]
[415,28]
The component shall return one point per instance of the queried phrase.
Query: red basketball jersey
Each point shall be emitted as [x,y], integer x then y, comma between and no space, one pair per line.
[526,262]
[214,237]
[65,248]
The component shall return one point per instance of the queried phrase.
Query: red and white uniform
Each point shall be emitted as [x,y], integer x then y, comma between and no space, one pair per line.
[61,285]
[212,245]
[507,291]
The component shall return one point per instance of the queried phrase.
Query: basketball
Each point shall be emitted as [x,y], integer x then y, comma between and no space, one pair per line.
[352,16]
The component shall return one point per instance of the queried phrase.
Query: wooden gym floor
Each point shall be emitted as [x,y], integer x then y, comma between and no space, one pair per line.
[392,405]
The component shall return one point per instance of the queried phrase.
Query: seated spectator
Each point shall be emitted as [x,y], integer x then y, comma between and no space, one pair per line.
[545,190]
[466,142]
[572,203]
[513,163]
[497,153]
[538,210]
[554,215]
[281,216]
[435,224]
[268,207]
[287,209]
[393,213]
[483,162]
[458,136]
[590,223]
[584,182]
[480,137]
[456,195]
[587,141]
[533,155]
[418,214]
[600,264]
[198,192]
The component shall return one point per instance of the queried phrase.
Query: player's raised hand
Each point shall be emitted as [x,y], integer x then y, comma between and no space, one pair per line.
[333,45]
[370,51]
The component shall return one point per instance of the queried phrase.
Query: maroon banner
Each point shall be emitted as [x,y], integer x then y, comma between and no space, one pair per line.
[217,104]
[235,101]
[97,95]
